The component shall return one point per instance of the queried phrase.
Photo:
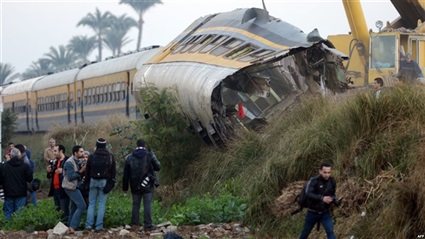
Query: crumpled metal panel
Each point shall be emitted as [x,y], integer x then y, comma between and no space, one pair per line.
[193,82]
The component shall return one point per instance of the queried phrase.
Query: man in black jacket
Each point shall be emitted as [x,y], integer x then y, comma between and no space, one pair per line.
[320,191]
[15,176]
[139,165]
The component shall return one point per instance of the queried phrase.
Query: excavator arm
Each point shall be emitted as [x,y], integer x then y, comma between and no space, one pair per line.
[410,11]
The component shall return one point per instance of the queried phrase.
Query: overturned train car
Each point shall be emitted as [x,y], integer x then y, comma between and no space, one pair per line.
[243,57]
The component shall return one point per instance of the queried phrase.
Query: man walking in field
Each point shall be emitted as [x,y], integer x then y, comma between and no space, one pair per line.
[320,191]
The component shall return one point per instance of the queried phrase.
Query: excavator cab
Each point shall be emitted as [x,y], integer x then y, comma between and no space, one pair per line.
[378,54]
[387,50]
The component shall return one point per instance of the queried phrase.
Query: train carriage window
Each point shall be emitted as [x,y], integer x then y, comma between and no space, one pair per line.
[38,104]
[241,51]
[43,100]
[79,97]
[85,96]
[71,99]
[90,96]
[100,94]
[110,92]
[201,43]
[213,43]
[96,95]
[105,93]
[93,96]
[41,104]
[46,102]
[116,91]
[57,101]
[191,43]
[227,45]
[64,97]
[256,54]
[183,44]
[123,90]
[54,101]
[114,86]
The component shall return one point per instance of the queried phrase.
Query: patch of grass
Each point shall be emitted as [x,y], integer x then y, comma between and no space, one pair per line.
[196,210]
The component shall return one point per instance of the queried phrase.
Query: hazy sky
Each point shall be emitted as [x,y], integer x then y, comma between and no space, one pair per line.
[30,27]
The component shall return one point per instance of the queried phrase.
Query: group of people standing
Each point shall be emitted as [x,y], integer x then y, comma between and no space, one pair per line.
[16,176]
[86,178]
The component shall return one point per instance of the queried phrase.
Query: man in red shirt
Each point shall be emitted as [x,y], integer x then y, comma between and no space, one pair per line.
[54,171]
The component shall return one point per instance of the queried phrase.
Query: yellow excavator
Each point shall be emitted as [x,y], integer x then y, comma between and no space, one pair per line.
[378,54]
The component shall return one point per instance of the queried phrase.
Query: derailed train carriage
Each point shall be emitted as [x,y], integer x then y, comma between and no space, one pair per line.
[220,61]
[241,57]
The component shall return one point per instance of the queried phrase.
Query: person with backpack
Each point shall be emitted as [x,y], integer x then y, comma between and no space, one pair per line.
[100,167]
[139,172]
[320,194]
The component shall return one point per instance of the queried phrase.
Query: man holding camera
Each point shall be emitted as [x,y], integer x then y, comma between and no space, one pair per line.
[320,191]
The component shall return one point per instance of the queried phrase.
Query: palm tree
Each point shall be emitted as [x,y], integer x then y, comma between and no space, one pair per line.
[99,23]
[115,37]
[40,67]
[61,58]
[6,73]
[140,6]
[82,46]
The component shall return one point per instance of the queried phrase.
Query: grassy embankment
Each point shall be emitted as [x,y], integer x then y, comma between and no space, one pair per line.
[375,146]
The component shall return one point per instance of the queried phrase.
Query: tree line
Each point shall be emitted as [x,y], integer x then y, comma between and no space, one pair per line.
[109,31]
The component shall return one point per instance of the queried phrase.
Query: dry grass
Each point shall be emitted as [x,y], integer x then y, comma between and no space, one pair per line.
[87,134]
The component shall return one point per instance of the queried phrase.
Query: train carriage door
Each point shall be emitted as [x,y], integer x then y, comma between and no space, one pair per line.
[78,105]
[27,110]
[83,101]
[126,95]
[69,104]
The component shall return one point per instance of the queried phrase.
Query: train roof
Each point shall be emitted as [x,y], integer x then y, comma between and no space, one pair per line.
[118,64]
[56,79]
[20,87]
[253,20]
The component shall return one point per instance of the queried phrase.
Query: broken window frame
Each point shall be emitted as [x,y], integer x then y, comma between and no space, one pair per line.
[229,44]
[241,51]
[256,54]
[202,42]
[214,43]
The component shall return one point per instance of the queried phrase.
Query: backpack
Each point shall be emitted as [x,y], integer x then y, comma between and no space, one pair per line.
[99,166]
[302,198]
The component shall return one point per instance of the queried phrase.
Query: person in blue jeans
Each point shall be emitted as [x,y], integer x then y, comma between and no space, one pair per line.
[100,167]
[75,171]
[320,191]
[15,174]
[137,165]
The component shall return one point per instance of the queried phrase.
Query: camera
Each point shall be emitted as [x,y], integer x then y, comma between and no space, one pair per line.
[336,202]
[52,165]
[81,163]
